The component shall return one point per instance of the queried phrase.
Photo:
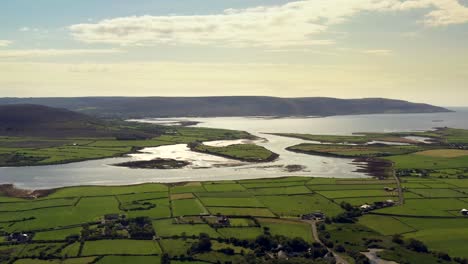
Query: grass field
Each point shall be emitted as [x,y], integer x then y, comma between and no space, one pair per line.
[355,193]
[84,260]
[426,207]
[168,228]
[288,228]
[243,152]
[188,207]
[60,234]
[417,161]
[281,190]
[437,193]
[385,225]
[241,233]
[352,151]
[362,138]
[22,151]
[231,202]
[228,187]
[130,260]
[296,205]
[265,205]
[239,211]
[122,246]
[444,153]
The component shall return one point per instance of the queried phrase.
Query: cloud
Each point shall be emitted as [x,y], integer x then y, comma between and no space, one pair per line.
[294,24]
[5,43]
[378,52]
[34,53]
[28,29]
[447,12]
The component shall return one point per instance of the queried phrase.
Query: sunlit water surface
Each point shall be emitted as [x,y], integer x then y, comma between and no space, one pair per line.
[208,167]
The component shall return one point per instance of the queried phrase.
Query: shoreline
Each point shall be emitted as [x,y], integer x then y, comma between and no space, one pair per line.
[374,167]
[12,191]
[271,158]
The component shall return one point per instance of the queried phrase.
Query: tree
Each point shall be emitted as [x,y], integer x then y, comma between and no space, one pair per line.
[397,238]
[203,244]
[298,245]
[417,246]
[265,242]
[165,259]
[340,248]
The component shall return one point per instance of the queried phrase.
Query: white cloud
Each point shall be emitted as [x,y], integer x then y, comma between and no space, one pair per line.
[33,53]
[5,43]
[378,52]
[297,23]
[448,12]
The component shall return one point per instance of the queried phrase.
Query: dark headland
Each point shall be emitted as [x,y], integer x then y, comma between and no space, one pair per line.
[139,107]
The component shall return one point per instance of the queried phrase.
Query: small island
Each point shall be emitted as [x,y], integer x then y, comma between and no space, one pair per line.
[242,152]
[158,163]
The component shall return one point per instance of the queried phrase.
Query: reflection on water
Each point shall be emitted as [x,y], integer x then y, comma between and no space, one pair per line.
[182,152]
[101,172]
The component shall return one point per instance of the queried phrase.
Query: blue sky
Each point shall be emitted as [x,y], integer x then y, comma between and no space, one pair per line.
[408,49]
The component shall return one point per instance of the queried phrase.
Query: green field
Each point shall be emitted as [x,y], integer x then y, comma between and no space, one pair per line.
[288,228]
[385,225]
[26,151]
[426,207]
[122,246]
[272,206]
[418,161]
[243,152]
[296,205]
[60,234]
[130,260]
[353,151]
[188,207]
[231,202]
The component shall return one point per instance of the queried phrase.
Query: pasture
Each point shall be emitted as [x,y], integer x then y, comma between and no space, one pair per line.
[253,208]
[120,246]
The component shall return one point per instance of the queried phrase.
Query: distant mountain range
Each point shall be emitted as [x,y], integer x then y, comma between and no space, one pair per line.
[138,107]
[44,121]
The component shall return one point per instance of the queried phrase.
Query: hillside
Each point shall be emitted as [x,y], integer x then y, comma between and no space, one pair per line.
[44,121]
[135,107]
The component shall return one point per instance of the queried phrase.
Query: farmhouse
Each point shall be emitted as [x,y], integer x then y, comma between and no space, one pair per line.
[464,212]
[282,255]
[19,237]
[365,207]
[222,220]
[110,217]
[313,216]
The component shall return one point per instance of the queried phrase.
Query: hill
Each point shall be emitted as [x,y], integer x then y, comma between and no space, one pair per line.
[44,121]
[137,107]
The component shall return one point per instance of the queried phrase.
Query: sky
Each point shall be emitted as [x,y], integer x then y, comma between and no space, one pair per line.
[415,50]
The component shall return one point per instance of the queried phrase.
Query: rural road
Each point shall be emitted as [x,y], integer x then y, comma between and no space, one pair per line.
[313,224]
[401,198]
[374,259]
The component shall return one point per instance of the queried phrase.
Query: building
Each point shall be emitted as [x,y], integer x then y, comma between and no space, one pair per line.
[282,255]
[464,212]
[19,237]
[111,217]
[313,216]
[222,220]
[365,207]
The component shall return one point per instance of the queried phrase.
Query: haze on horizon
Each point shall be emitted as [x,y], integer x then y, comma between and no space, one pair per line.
[415,50]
